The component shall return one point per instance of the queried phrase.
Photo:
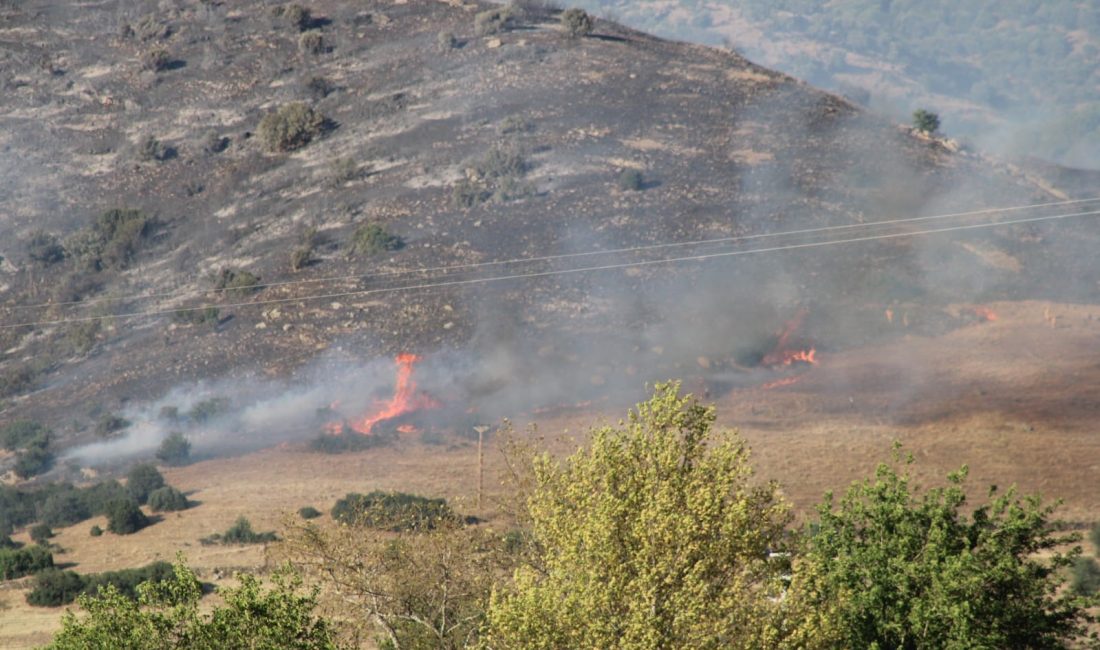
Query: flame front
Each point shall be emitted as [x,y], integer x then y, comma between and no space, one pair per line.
[405,398]
[781,354]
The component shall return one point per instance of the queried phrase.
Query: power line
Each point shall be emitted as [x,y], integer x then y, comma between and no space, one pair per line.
[547,258]
[538,274]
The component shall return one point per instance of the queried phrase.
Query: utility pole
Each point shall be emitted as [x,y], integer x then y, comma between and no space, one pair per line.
[481,429]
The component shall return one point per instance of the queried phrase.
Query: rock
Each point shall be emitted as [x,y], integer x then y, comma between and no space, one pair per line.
[493,43]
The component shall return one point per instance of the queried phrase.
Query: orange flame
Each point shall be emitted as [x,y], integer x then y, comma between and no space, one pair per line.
[405,398]
[779,383]
[984,314]
[781,354]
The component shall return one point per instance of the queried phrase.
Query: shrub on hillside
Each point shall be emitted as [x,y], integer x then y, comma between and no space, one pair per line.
[926,121]
[95,531]
[45,248]
[41,534]
[373,238]
[446,41]
[65,508]
[16,379]
[1094,537]
[294,16]
[349,441]
[394,511]
[35,459]
[240,533]
[155,59]
[494,21]
[125,517]
[631,180]
[208,409]
[1085,577]
[576,23]
[53,587]
[311,42]
[142,479]
[20,433]
[175,449]
[290,127]
[309,512]
[237,283]
[19,562]
[112,241]
[151,28]
[197,316]
[301,258]
[167,499]
[109,424]
[101,495]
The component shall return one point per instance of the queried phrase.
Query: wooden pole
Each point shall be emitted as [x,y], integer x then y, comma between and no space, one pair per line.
[480,464]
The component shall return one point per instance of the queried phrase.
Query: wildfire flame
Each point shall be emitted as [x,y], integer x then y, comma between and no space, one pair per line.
[779,383]
[781,354]
[983,314]
[406,399]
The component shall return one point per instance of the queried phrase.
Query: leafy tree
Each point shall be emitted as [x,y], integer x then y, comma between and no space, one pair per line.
[1085,579]
[167,499]
[20,433]
[54,587]
[175,449]
[308,512]
[45,248]
[41,534]
[391,510]
[33,460]
[166,616]
[241,533]
[926,121]
[291,126]
[125,517]
[18,562]
[65,509]
[372,238]
[576,22]
[912,570]
[655,536]
[142,479]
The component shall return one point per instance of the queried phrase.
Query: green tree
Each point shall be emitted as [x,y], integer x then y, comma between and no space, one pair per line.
[926,121]
[914,570]
[142,479]
[167,499]
[175,449]
[125,517]
[655,536]
[576,23]
[166,616]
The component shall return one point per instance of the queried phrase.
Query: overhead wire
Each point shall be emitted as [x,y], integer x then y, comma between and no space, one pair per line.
[560,256]
[553,272]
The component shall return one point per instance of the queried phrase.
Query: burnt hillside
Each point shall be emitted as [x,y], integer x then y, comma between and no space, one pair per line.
[438,135]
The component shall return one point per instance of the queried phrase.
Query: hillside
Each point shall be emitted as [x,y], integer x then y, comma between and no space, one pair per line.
[1014,76]
[138,181]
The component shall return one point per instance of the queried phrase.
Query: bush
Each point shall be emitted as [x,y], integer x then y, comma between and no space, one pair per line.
[318,87]
[54,587]
[150,28]
[125,517]
[311,42]
[175,449]
[16,380]
[197,316]
[349,441]
[34,460]
[343,170]
[150,149]
[926,121]
[206,410]
[290,127]
[112,241]
[81,337]
[141,480]
[1094,537]
[65,509]
[100,496]
[1084,577]
[309,512]
[446,41]
[372,238]
[16,563]
[294,16]
[395,511]
[240,533]
[576,23]
[631,180]
[41,534]
[155,59]
[110,424]
[96,531]
[494,21]
[167,499]
[301,258]
[45,248]
[239,284]
[20,433]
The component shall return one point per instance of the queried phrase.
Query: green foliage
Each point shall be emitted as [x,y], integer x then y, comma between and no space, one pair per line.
[109,425]
[16,379]
[151,28]
[41,534]
[34,459]
[655,536]
[301,258]
[349,441]
[166,615]
[394,511]
[498,176]
[308,512]
[1094,537]
[631,180]
[150,149]
[44,248]
[342,170]
[142,479]
[446,41]
[311,42]
[95,531]
[112,241]
[65,508]
[576,23]
[53,587]
[198,316]
[20,433]
[240,533]
[208,409]
[167,499]
[926,121]
[1085,576]
[236,283]
[372,239]
[155,59]
[294,16]
[19,562]
[291,126]
[494,21]
[175,449]
[912,570]
[124,517]
[81,337]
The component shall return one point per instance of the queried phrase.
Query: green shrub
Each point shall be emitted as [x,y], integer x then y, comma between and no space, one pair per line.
[96,531]
[35,459]
[125,517]
[65,508]
[175,449]
[301,258]
[494,21]
[167,499]
[110,424]
[446,41]
[1085,577]
[17,379]
[112,241]
[53,587]
[294,16]
[208,409]
[41,534]
[290,127]
[318,87]
[141,480]
[576,23]
[19,433]
[155,59]
[240,533]
[926,121]
[1094,537]
[99,497]
[197,316]
[45,248]
[395,511]
[81,337]
[496,177]
[343,170]
[236,283]
[150,149]
[309,512]
[349,442]
[16,563]
[150,28]
[631,180]
[311,42]
[502,161]
[372,238]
